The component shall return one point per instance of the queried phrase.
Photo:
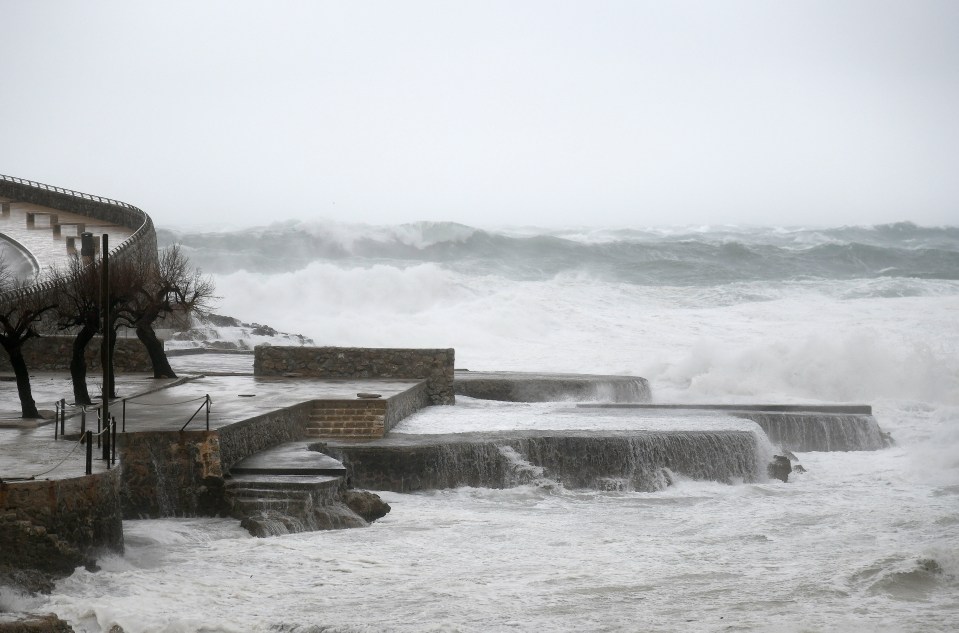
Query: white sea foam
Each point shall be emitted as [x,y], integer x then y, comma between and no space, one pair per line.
[861,541]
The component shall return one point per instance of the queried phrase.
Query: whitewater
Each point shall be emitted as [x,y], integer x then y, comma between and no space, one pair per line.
[862,541]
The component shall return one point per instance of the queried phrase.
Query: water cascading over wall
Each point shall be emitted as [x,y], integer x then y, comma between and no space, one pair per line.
[798,428]
[819,431]
[642,461]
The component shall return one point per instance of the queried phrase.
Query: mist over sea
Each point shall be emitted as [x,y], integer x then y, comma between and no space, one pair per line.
[863,541]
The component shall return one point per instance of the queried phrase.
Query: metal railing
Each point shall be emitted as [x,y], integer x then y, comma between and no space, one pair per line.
[206,403]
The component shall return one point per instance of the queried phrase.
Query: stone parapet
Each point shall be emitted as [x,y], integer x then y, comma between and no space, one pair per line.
[433,365]
[57,525]
[53,353]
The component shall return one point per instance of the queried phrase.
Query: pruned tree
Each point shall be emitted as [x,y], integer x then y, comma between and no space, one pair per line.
[147,290]
[79,307]
[22,312]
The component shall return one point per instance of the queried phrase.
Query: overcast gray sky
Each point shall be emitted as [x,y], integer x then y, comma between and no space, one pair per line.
[550,113]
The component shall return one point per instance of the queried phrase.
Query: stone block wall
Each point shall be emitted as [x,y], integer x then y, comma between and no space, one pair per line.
[57,525]
[52,353]
[405,404]
[171,474]
[433,365]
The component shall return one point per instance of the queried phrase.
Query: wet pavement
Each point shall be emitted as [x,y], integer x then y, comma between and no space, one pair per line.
[292,458]
[28,448]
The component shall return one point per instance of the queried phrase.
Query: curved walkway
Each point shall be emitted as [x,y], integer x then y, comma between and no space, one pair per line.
[54,236]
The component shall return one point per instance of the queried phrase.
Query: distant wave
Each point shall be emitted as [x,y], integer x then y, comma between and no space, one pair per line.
[658,256]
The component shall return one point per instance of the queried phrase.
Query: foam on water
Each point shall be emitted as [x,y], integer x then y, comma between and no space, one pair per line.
[861,541]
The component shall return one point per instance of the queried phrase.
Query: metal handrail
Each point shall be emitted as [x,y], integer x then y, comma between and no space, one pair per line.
[207,403]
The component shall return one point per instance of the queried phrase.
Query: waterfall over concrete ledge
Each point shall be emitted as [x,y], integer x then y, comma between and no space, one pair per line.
[793,427]
[637,460]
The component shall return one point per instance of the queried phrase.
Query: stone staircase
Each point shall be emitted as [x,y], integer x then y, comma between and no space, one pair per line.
[293,488]
[270,505]
[347,419]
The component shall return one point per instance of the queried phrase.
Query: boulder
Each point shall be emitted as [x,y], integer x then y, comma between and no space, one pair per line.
[366,504]
[779,468]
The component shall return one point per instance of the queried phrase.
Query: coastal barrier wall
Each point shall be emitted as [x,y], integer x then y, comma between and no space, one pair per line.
[53,353]
[433,365]
[171,473]
[57,525]
[181,473]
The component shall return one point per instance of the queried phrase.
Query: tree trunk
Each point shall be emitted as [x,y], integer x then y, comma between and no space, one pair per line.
[161,366]
[78,363]
[28,407]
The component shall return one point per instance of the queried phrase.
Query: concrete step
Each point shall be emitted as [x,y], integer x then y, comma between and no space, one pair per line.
[292,459]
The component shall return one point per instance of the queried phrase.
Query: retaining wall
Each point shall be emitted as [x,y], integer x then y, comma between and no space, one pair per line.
[433,365]
[57,525]
[171,473]
[53,353]
[181,473]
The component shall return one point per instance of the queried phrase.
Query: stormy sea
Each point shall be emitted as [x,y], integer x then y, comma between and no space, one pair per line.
[860,541]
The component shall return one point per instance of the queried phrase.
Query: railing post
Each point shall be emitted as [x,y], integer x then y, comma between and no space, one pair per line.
[207,412]
[124,418]
[106,444]
[113,442]
[63,416]
[89,438]
[56,421]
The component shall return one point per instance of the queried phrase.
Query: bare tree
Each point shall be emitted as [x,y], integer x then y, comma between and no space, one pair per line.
[79,307]
[22,311]
[147,290]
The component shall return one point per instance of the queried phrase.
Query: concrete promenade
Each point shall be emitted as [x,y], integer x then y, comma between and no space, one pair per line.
[28,449]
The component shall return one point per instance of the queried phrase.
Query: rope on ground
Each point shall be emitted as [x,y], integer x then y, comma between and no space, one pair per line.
[60,463]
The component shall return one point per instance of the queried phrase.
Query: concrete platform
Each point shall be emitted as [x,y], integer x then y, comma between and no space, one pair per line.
[540,387]
[28,448]
[294,458]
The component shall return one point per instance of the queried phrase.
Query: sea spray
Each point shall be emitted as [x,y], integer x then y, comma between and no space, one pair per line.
[860,541]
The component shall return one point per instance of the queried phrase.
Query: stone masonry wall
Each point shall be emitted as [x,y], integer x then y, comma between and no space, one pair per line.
[171,473]
[52,353]
[405,404]
[434,365]
[57,525]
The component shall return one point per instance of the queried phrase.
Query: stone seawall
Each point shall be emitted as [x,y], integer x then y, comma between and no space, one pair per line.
[53,353]
[171,473]
[55,526]
[433,365]
[181,473]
